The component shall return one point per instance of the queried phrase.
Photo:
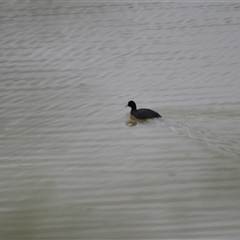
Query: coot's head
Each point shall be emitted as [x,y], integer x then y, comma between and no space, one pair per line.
[132,105]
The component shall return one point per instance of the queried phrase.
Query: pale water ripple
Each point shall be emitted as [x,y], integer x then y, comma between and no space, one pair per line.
[74,164]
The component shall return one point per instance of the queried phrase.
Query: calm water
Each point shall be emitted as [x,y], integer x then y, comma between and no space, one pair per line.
[73,164]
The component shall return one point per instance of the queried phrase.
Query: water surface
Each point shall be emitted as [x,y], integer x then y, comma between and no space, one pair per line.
[74,165]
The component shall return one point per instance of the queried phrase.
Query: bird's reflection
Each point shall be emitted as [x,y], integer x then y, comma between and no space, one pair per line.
[132,121]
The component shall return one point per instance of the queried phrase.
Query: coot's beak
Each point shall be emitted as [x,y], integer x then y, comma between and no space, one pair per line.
[126,106]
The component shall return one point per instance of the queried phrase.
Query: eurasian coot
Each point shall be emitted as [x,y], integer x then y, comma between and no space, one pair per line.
[142,113]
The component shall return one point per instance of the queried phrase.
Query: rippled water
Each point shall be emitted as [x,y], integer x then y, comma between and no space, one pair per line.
[73,162]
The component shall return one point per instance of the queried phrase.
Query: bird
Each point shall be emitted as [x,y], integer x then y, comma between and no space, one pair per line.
[142,113]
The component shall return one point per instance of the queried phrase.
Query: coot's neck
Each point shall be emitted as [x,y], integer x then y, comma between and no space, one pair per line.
[134,107]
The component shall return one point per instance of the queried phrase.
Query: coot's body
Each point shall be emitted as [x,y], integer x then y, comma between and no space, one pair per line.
[142,113]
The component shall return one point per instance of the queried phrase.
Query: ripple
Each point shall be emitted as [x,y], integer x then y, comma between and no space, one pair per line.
[71,165]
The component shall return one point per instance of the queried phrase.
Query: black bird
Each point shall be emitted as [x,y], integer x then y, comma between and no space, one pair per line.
[142,113]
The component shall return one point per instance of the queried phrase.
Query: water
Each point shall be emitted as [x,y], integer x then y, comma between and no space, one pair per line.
[73,162]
